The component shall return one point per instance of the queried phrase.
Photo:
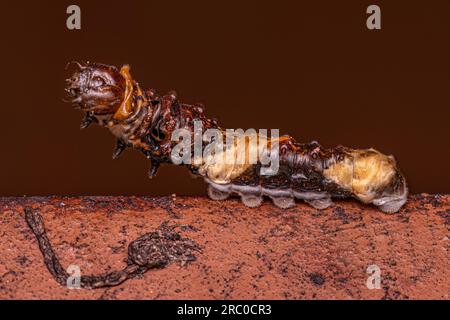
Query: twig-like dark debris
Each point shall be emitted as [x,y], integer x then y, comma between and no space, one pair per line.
[152,250]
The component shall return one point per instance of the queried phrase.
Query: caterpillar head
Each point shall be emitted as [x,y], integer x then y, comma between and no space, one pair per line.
[97,88]
[372,177]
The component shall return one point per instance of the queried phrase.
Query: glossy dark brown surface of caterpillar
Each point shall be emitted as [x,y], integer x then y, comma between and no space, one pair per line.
[145,121]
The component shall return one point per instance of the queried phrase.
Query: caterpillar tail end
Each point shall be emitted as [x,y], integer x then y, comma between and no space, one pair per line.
[372,178]
[378,180]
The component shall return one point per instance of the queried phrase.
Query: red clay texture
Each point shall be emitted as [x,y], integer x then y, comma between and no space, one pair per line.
[263,253]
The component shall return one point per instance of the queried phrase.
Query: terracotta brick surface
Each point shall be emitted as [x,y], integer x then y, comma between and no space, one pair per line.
[263,253]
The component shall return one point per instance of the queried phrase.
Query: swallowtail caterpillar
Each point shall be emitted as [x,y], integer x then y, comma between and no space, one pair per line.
[145,121]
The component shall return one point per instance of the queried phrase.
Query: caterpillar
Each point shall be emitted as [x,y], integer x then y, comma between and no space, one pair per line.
[146,121]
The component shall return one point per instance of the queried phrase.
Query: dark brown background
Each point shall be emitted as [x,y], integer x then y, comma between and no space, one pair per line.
[311,69]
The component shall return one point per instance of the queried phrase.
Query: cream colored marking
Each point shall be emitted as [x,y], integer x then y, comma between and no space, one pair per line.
[372,172]
[363,172]
[341,173]
[223,167]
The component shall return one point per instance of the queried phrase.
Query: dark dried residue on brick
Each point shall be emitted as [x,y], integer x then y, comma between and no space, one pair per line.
[152,250]
[317,279]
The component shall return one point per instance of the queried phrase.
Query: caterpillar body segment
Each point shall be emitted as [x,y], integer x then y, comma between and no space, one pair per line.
[146,121]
